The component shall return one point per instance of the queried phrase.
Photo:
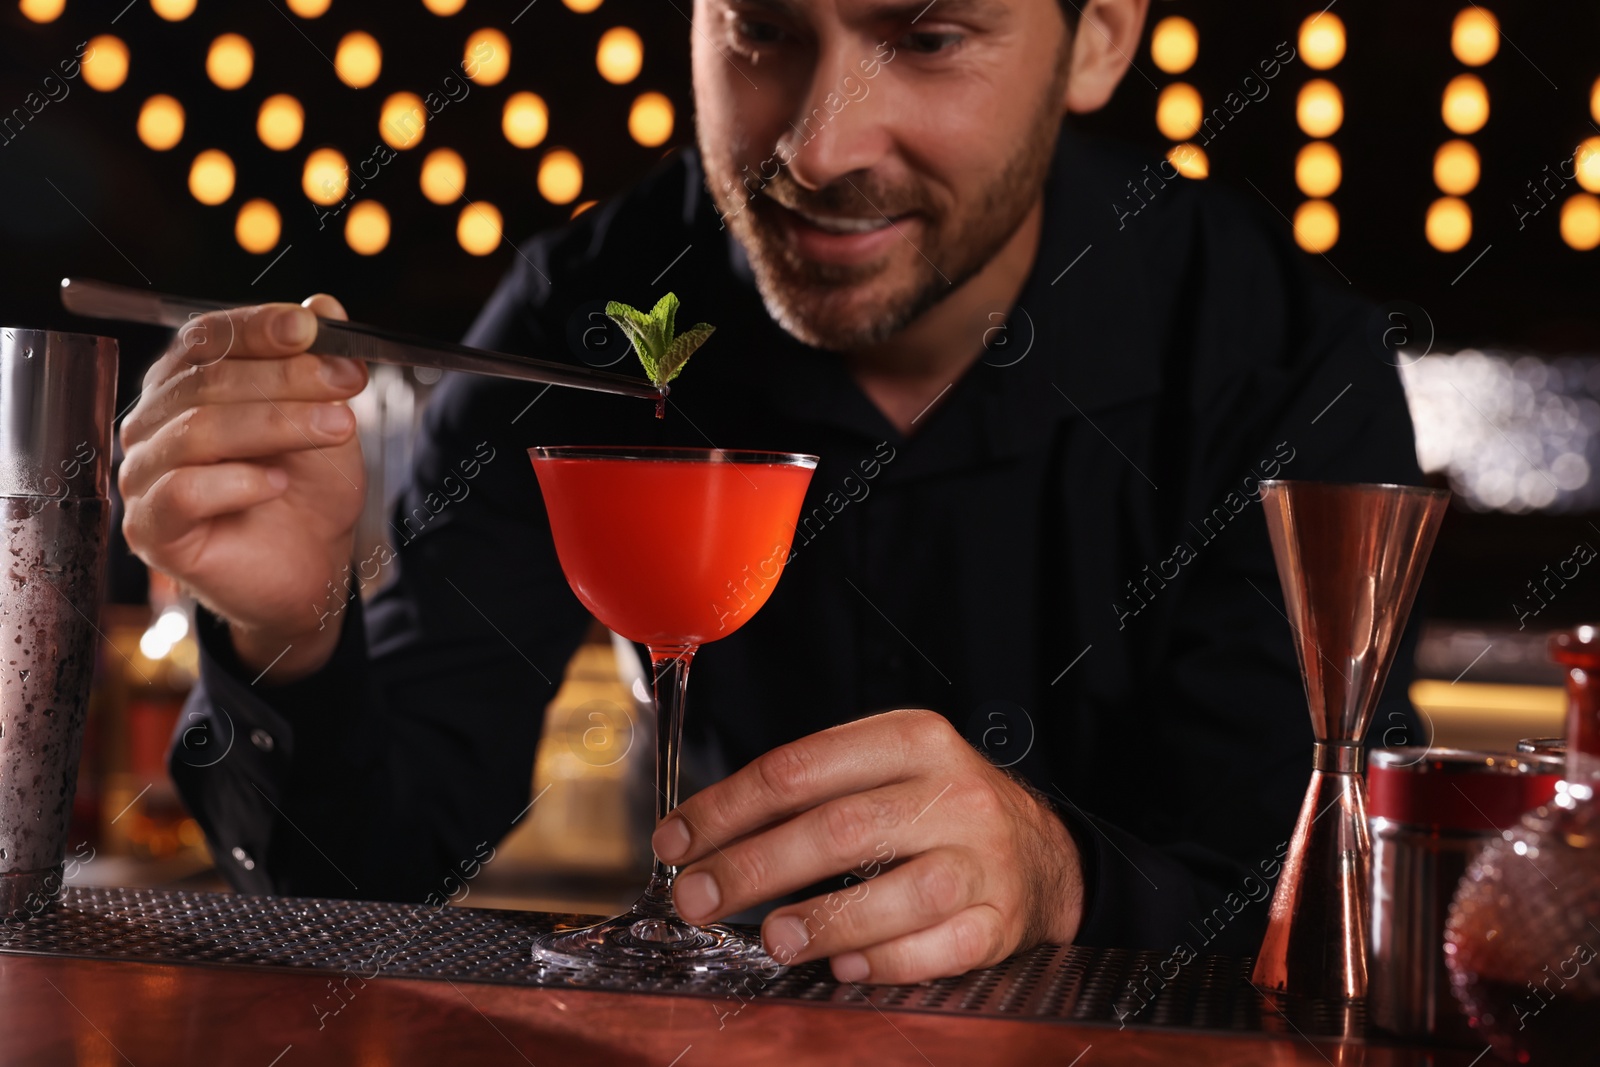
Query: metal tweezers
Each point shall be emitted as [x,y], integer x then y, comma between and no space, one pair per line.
[102,300]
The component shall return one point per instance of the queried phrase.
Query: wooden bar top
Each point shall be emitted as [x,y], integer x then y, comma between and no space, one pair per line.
[103,1012]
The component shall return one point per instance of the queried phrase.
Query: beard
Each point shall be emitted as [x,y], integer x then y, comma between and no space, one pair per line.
[847,307]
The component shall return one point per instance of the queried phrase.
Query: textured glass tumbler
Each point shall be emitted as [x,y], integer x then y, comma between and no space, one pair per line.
[1523,939]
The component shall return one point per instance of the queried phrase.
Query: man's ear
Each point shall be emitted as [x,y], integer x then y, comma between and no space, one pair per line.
[1104,43]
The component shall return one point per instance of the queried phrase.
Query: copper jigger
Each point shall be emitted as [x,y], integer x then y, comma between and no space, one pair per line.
[1350,558]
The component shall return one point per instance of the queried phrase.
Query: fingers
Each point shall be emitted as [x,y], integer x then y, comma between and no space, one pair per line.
[919,894]
[300,378]
[843,834]
[325,307]
[974,937]
[851,758]
[183,498]
[259,331]
[348,370]
[264,330]
[218,433]
[196,370]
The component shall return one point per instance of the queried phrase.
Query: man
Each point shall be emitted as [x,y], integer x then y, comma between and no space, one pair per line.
[1027,668]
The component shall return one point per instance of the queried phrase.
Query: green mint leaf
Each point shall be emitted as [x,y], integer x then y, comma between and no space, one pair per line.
[652,335]
[682,347]
[664,315]
[640,331]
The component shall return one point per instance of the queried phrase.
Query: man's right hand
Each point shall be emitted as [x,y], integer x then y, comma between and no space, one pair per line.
[242,478]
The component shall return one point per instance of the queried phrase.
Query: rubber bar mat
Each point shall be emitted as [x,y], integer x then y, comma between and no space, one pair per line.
[1116,987]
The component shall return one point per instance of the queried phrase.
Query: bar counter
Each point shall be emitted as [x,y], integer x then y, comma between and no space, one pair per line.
[156,977]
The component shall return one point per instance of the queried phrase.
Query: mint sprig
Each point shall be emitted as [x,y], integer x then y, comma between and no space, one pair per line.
[662,353]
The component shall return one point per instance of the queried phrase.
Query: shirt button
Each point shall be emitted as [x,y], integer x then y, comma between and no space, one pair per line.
[244,858]
[261,739]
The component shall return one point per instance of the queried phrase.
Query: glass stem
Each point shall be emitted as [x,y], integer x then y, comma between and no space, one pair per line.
[670,667]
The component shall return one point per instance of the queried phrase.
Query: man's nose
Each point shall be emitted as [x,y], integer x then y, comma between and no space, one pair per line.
[843,123]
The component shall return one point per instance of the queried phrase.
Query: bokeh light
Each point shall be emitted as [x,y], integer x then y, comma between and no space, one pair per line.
[309,9]
[487,57]
[1475,36]
[1449,224]
[105,63]
[1580,221]
[1322,40]
[1586,164]
[258,226]
[230,61]
[173,10]
[444,176]
[1316,226]
[1174,44]
[1320,108]
[280,122]
[326,177]
[403,120]
[161,122]
[1178,111]
[1189,160]
[1511,431]
[1455,168]
[560,176]
[1466,104]
[444,8]
[583,7]
[358,59]
[1317,169]
[50,10]
[366,227]
[620,55]
[525,120]
[1594,100]
[650,120]
[479,227]
[211,176]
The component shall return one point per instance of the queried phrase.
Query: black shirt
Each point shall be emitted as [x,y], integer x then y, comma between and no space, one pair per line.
[1067,557]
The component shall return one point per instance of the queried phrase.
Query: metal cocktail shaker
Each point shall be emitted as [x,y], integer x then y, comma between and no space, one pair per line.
[1431,811]
[57,404]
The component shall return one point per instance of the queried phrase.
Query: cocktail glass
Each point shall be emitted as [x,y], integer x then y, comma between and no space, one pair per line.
[671,548]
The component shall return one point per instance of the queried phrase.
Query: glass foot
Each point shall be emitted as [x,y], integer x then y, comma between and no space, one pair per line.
[650,938]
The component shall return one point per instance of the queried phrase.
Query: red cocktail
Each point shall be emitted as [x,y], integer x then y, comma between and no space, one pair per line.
[671,552]
[669,547]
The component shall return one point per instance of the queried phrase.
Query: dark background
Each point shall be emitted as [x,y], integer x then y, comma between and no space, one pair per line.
[79,193]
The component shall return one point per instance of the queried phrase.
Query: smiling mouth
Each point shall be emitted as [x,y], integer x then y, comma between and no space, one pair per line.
[840,225]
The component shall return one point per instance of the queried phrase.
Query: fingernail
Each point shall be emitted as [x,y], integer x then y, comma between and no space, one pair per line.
[851,967]
[784,937]
[330,419]
[696,895]
[278,478]
[670,840]
[294,326]
[340,373]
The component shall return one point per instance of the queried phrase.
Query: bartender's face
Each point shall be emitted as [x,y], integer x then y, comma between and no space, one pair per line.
[871,155]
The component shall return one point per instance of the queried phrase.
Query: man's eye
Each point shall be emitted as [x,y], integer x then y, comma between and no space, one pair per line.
[931,43]
[757,32]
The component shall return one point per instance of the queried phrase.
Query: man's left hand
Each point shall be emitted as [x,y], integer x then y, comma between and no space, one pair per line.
[955,865]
